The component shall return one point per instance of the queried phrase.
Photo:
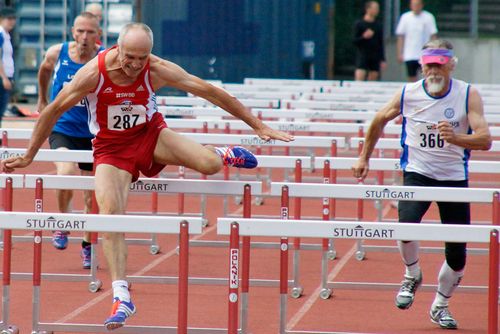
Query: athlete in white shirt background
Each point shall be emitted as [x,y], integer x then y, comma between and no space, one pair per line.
[415,28]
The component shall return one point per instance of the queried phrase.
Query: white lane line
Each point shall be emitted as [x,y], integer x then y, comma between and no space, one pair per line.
[315,294]
[147,268]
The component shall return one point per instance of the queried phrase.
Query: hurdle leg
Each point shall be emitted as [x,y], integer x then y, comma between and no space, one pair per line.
[183,278]
[245,265]
[328,244]
[7,257]
[493,284]
[234,245]
[37,259]
[95,284]
[297,289]
[154,248]
[283,283]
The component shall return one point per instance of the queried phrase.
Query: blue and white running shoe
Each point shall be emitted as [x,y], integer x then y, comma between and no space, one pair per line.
[237,156]
[60,239]
[120,312]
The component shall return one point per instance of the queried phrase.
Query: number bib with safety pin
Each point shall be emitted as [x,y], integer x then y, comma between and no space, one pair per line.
[125,116]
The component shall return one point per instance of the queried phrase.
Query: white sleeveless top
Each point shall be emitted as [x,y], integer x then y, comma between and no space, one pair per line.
[424,152]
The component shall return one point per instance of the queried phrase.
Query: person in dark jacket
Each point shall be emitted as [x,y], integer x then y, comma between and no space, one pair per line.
[369,40]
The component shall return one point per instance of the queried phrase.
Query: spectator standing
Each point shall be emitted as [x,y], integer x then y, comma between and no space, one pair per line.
[7,24]
[415,28]
[369,40]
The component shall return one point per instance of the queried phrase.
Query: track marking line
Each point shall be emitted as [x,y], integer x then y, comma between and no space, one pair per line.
[145,269]
[315,295]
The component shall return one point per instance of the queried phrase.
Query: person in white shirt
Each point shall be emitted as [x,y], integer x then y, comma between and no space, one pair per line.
[443,120]
[415,28]
[7,24]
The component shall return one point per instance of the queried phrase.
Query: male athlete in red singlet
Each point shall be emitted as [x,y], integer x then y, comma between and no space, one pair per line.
[131,135]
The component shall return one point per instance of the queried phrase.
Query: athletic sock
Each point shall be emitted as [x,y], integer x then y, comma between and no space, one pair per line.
[409,254]
[85,244]
[120,290]
[448,281]
[222,151]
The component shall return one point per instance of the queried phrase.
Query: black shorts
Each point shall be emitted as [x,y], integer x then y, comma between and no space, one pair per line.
[412,67]
[58,140]
[450,212]
[368,63]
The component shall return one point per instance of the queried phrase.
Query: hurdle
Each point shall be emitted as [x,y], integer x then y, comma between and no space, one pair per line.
[7,184]
[388,164]
[353,230]
[376,192]
[38,222]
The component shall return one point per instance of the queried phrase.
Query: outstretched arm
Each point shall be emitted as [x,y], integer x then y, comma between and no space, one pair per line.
[389,112]
[84,82]
[165,73]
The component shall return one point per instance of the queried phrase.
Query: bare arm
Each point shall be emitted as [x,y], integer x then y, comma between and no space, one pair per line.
[83,83]
[44,74]
[165,73]
[389,112]
[399,47]
[480,139]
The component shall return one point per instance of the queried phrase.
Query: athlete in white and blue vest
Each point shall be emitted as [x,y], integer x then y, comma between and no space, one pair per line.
[443,121]
[71,131]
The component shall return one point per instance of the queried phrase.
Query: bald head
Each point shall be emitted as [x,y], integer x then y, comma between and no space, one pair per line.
[137,35]
[95,9]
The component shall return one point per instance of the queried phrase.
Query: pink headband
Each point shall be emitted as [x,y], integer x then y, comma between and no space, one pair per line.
[436,56]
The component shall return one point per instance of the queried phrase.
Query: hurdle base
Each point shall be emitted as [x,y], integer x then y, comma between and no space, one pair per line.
[52,277]
[395,286]
[201,281]
[96,328]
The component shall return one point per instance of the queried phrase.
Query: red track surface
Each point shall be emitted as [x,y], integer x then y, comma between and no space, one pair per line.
[360,311]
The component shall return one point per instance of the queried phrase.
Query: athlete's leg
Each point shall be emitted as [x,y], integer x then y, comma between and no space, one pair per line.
[453,267]
[175,149]
[111,190]
[63,197]
[360,74]
[373,75]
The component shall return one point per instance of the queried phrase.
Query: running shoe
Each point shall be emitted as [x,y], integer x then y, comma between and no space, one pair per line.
[406,293]
[237,156]
[86,255]
[60,239]
[120,312]
[441,315]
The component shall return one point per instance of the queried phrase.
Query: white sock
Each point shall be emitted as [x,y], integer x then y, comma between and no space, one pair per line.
[448,281]
[409,254]
[120,290]
[222,151]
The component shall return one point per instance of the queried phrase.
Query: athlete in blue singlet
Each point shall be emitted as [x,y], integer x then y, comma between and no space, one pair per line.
[71,131]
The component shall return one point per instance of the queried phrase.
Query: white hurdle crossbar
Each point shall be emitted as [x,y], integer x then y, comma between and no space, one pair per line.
[39,221]
[355,230]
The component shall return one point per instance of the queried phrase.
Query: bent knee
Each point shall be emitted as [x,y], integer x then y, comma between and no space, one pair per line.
[211,164]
